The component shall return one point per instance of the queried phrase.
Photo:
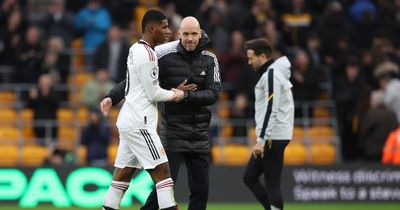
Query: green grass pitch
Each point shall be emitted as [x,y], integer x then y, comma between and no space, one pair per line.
[255,206]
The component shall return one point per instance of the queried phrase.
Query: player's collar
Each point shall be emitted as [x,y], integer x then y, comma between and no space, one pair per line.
[141,41]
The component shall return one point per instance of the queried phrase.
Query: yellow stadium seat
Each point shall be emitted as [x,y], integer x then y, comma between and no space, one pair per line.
[323,154]
[9,155]
[321,112]
[295,154]
[223,111]
[66,133]
[82,155]
[321,131]
[321,134]
[65,115]
[28,133]
[78,58]
[80,78]
[8,117]
[227,131]
[223,96]
[75,97]
[8,98]
[112,153]
[216,154]
[235,154]
[83,115]
[113,114]
[34,155]
[26,115]
[9,134]
[298,134]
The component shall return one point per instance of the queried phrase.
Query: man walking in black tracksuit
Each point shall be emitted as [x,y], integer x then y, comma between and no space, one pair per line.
[188,66]
[274,116]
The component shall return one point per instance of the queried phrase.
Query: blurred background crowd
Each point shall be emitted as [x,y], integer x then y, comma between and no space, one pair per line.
[59,58]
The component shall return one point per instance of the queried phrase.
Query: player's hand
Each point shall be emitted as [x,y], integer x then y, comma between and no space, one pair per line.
[258,150]
[178,95]
[105,106]
[184,86]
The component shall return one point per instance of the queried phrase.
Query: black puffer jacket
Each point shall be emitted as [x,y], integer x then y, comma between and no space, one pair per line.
[185,125]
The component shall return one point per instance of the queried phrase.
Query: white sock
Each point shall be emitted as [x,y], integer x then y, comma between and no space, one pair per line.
[165,193]
[115,193]
[274,208]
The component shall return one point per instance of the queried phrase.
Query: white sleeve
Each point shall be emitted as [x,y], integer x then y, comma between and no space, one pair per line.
[148,75]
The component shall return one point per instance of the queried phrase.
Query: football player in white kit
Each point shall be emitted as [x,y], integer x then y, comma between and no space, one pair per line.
[140,145]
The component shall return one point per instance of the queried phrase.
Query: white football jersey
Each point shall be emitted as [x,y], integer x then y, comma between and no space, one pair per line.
[142,90]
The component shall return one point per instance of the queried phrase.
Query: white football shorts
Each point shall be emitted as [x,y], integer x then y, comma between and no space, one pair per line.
[140,149]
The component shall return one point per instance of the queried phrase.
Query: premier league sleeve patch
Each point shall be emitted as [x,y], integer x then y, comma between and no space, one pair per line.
[154,73]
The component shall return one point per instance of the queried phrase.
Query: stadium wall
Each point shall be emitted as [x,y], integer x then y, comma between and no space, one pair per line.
[85,187]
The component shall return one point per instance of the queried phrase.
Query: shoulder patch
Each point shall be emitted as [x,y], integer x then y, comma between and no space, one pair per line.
[154,73]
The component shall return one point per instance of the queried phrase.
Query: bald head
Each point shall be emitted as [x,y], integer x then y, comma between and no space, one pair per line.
[190,33]
[190,22]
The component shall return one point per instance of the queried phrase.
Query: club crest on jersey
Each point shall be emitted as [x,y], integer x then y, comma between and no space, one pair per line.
[154,73]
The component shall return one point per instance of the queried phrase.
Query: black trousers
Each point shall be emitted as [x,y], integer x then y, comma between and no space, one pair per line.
[271,165]
[198,167]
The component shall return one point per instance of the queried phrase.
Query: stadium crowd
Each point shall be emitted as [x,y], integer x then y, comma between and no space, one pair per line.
[344,51]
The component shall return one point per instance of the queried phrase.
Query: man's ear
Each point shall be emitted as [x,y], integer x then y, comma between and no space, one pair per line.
[179,33]
[264,56]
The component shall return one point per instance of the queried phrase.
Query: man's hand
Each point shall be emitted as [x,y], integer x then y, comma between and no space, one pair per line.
[105,106]
[258,150]
[33,93]
[178,95]
[183,86]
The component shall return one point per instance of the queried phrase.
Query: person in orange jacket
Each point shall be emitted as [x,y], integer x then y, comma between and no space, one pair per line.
[391,150]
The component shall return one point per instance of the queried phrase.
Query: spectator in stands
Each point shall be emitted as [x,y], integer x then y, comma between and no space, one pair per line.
[11,36]
[297,21]
[93,22]
[375,128]
[387,74]
[332,27]
[232,61]
[59,157]
[7,7]
[239,115]
[211,16]
[112,54]
[95,90]
[273,35]
[58,22]
[174,19]
[314,50]
[43,100]
[96,137]
[305,81]
[30,57]
[352,102]
[360,8]
[56,61]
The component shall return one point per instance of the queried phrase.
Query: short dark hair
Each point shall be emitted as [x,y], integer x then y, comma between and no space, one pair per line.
[259,46]
[152,16]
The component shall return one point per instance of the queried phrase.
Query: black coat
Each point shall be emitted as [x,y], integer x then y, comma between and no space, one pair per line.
[185,125]
[102,55]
